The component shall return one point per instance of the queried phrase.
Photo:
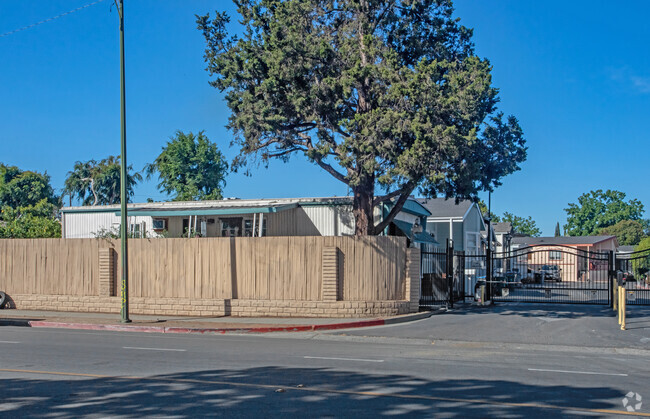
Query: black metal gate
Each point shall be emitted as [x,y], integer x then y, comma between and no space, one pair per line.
[442,281]
[536,274]
[552,274]
[634,268]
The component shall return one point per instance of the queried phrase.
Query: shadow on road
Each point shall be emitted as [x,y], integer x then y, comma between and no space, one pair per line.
[275,392]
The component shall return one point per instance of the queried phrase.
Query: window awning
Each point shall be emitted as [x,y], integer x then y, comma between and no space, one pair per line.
[231,210]
[423,237]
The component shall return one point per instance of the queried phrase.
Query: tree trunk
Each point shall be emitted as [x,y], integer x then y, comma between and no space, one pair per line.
[364,194]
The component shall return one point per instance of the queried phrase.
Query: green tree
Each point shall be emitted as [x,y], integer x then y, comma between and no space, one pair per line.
[484,210]
[521,225]
[98,183]
[190,167]
[641,265]
[24,188]
[386,95]
[597,209]
[31,221]
[558,233]
[627,232]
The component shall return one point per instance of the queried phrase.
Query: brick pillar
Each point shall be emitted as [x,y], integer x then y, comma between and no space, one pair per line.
[413,279]
[106,272]
[330,279]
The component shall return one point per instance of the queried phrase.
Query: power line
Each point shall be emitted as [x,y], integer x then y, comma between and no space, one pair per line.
[49,19]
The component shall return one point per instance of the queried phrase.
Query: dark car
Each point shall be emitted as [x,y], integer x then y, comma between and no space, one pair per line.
[551,273]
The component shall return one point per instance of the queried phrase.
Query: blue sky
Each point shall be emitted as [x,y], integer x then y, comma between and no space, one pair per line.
[576,74]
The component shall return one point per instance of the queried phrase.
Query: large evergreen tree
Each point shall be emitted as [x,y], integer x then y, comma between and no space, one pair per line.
[387,96]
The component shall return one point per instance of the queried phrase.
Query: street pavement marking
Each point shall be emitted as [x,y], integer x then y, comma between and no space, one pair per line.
[8,341]
[577,372]
[153,349]
[344,359]
[347,392]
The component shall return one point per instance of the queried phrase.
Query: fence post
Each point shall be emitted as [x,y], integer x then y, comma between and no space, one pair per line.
[106,272]
[330,275]
[413,279]
[611,262]
[450,271]
[488,266]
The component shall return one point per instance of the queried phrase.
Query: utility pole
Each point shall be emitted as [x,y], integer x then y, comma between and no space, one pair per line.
[124,312]
[488,254]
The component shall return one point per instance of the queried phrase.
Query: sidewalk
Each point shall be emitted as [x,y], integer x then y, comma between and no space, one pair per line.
[201,325]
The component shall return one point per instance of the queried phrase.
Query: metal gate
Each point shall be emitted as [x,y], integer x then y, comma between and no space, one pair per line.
[551,274]
[536,274]
[442,281]
[634,268]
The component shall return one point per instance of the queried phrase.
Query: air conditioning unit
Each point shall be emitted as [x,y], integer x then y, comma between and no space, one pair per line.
[159,224]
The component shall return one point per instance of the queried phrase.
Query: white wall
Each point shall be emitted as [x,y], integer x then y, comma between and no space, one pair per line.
[86,225]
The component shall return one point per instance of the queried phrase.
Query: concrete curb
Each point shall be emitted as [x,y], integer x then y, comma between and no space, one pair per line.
[203,331]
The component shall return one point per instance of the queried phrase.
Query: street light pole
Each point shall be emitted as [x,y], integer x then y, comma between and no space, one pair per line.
[488,254]
[124,312]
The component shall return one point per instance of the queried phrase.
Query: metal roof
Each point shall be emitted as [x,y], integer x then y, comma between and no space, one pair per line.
[230,206]
[233,204]
[422,237]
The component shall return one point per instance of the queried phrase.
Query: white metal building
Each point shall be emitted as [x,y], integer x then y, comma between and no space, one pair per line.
[236,217]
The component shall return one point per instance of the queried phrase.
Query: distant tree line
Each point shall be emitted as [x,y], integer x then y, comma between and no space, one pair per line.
[602,213]
[189,167]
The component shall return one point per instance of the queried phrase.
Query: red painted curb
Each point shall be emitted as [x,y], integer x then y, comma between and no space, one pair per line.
[176,329]
[364,323]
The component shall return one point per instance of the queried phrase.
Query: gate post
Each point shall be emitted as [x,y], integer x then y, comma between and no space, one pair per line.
[450,271]
[610,277]
[488,270]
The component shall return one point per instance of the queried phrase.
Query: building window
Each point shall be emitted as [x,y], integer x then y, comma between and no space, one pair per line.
[231,227]
[248,228]
[137,230]
[554,255]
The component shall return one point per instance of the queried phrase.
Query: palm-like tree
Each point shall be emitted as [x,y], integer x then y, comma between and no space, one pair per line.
[98,183]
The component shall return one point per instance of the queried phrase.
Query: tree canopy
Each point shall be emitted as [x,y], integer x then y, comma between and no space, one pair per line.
[627,232]
[520,225]
[597,209]
[98,183]
[558,233]
[641,265]
[27,204]
[386,96]
[190,167]
[24,188]
[29,222]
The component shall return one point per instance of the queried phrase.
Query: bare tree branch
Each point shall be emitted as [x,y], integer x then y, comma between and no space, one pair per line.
[332,171]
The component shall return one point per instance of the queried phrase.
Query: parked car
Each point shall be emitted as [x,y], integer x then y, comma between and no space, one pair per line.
[551,273]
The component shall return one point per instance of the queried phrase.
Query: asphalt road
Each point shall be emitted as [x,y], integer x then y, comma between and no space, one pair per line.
[67,373]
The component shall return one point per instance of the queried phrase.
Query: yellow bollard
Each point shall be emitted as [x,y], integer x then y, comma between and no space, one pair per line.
[624,304]
[615,297]
[618,294]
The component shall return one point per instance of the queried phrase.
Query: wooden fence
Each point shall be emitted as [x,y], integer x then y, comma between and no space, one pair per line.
[267,268]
